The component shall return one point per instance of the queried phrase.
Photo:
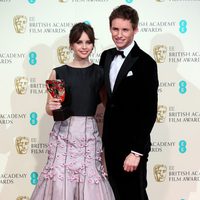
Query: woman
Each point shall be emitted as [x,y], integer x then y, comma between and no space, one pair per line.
[74,169]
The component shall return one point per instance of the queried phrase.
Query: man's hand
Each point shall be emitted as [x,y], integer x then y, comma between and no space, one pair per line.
[131,162]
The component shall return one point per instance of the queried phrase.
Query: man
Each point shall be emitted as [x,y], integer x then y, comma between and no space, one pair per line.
[131,82]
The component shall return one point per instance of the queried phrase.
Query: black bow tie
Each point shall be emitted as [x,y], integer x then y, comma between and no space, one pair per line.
[117,52]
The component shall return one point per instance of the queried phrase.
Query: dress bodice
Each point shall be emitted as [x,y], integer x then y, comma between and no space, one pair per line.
[82,87]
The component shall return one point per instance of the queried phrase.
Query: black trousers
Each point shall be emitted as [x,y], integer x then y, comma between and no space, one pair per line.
[126,185]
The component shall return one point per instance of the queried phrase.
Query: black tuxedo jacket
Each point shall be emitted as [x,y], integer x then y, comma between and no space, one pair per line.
[131,108]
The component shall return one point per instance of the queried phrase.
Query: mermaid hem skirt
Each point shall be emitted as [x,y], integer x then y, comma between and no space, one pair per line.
[74,169]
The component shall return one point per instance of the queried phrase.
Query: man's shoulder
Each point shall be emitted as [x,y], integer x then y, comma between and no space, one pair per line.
[105,55]
[110,50]
[146,56]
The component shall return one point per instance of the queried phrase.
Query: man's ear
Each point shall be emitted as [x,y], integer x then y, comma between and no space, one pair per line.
[136,30]
[110,28]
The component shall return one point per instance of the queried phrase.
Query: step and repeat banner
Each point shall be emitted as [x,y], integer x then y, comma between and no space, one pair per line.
[34,40]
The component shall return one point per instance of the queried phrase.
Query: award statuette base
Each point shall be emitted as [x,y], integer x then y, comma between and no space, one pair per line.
[61,114]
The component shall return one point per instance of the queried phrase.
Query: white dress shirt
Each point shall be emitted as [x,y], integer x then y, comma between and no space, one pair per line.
[117,63]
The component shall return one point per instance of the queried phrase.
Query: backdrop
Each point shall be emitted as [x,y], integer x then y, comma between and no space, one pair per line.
[34,40]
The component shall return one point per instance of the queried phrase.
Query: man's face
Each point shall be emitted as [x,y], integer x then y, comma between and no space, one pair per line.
[122,32]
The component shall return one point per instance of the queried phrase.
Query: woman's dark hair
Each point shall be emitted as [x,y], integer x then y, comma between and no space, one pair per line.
[125,12]
[78,29]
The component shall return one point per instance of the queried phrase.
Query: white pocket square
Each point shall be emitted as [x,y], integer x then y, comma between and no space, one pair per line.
[130,73]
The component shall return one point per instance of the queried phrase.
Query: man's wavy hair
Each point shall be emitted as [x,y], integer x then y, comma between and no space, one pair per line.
[127,13]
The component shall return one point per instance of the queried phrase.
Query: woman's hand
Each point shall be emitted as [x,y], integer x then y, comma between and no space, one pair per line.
[52,104]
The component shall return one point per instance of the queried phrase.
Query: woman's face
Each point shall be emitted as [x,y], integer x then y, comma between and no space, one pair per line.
[83,47]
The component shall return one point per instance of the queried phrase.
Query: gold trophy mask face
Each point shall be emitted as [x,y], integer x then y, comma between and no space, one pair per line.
[22,198]
[21,84]
[160,53]
[161,113]
[21,144]
[160,172]
[20,22]
[63,53]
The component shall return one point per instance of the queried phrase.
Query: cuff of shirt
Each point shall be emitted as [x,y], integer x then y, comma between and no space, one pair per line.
[136,153]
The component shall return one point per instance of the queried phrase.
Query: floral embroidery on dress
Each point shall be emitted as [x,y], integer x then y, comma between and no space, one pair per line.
[78,157]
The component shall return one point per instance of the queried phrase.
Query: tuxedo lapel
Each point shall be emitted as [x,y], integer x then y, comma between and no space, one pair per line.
[126,66]
[109,58]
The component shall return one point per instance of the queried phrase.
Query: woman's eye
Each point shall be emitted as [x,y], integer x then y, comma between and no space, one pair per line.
[78,42]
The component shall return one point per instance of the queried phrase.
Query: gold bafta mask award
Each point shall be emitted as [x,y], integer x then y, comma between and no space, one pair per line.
[21,84]
[20,22]
[21,144]
[63,53]
[57,90]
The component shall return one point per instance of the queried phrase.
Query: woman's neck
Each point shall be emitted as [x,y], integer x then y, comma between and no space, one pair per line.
[80,63]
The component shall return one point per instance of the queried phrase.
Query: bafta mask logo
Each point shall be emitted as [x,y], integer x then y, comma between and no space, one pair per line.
[23,198]
[161,113]
[21,84]
[20,22]
[21,144]
[160,172]
[63,53]
[63,1]
[160,53]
